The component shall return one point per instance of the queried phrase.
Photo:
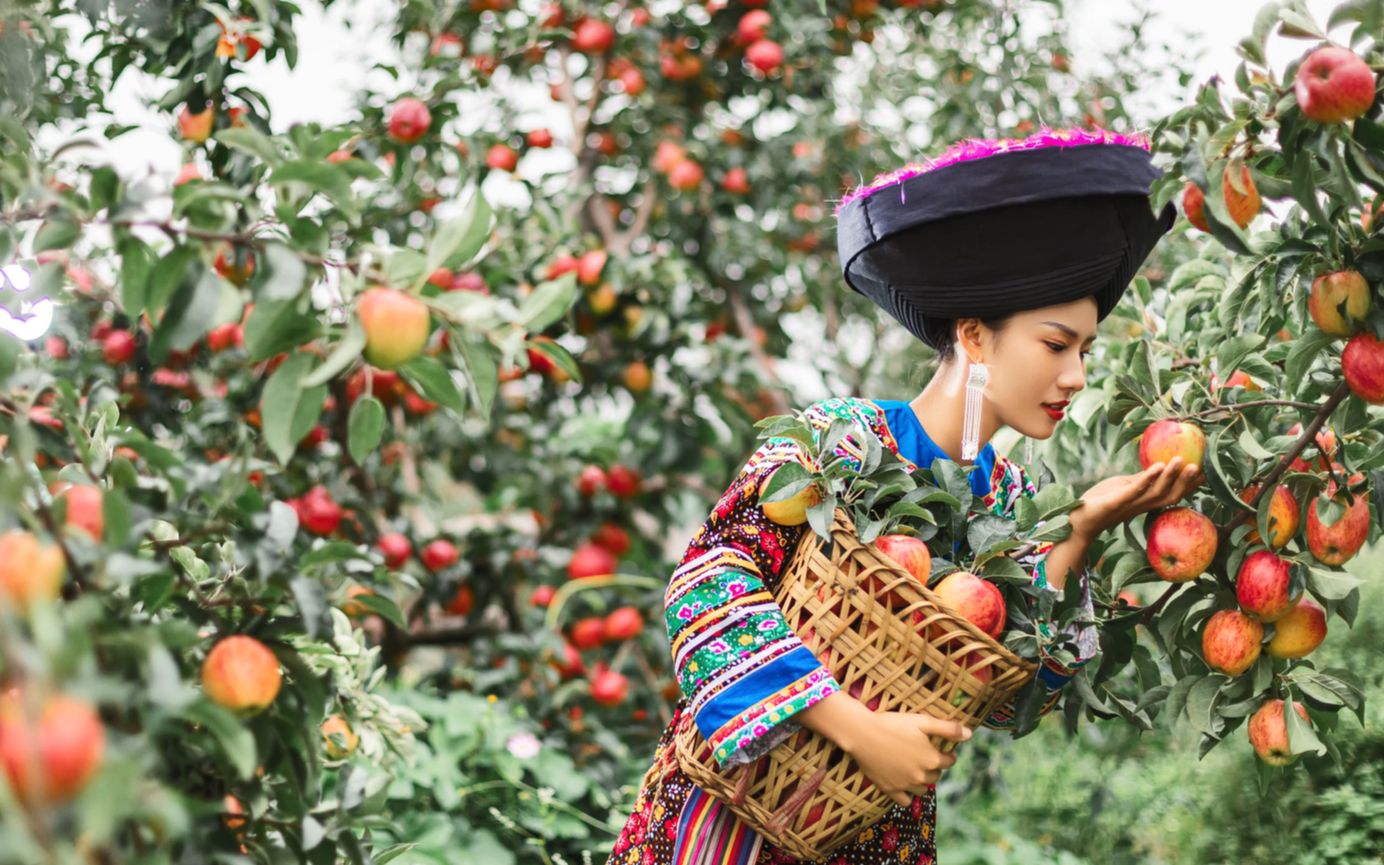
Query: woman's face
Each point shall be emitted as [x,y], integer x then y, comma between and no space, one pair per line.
[1041,358]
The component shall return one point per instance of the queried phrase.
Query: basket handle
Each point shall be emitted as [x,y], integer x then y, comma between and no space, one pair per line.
[787,813]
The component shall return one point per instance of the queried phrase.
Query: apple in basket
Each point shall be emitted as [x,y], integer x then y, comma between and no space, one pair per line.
[979,601]
[908,553]
[975,665]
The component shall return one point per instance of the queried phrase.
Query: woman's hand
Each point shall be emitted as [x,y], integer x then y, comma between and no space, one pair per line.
[1122,498]
[896,753]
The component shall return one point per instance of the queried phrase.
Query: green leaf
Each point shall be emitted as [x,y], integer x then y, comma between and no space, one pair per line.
[434,381]
[56,232]
[136,262]
[1301,737]
[249,140]
[1234,350]
[382,606]
[480,360]
[319,176]
[366,428]
[235,742]
[1252,447]
[288,409]
[275,326]
[10,349]
[1305,187]
[1332,585]
[188,315]
[557,354]
[347,350]
[458,240]
[1304,351]
[286,274]
[548,302]
[170,272]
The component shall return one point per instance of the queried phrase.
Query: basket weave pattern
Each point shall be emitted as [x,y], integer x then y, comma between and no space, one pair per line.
[889,640]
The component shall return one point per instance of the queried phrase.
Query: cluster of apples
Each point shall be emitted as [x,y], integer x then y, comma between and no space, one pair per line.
[1182,543]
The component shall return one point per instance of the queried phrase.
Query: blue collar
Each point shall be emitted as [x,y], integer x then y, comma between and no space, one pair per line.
[921,450]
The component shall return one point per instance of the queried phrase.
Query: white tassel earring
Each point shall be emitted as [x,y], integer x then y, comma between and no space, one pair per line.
[977,377]
[1028,450]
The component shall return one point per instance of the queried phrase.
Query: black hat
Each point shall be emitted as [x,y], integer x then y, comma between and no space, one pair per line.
[997,226]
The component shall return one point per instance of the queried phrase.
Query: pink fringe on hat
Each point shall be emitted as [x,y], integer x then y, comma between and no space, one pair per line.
[978,148]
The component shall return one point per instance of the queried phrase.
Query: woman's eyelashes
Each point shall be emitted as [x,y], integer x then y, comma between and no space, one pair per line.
[1058,348]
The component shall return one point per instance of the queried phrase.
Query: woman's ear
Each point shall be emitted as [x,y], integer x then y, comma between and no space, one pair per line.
[968,342]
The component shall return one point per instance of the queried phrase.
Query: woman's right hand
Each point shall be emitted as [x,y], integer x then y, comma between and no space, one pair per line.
[897,755]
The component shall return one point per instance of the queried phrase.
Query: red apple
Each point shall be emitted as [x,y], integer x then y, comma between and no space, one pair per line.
[1362,363]
[224,337]
[1243,203]
[766,55]
[609,688]
[591,480]
[1194,206]
[1230,643]
[539,138]
[1268,732]
[1262,586]
[612,538]
[623,623]
[195,127]
[241,674]
[438,554]
[588,632]
[317,512]
[906,552]
[686,175]
[590,265]
[974,599]
[752,25]
[1333,85]
[29,569]
[118,347]
[1181,544]
[622,481]
[1337,543]
[501,157]
[542,596]
[1284,516]
[736,181]
[1339,302]
[409,120]
[1299,631]
[1164,439]
[462,601]
[396,326]
[395,548]
[85,509]
[50,755]
[592,37]
[590,560]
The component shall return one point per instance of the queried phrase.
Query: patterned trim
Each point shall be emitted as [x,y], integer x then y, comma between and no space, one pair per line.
[709,833]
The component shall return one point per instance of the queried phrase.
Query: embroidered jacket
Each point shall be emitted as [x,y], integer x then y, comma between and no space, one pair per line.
[742,670]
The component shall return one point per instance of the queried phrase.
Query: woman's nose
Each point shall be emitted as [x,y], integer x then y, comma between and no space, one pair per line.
[1074,377]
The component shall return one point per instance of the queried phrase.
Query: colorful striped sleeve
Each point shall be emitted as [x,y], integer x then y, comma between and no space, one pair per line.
[743,669]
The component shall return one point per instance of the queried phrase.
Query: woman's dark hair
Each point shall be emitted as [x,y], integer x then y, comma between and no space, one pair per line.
[946,346]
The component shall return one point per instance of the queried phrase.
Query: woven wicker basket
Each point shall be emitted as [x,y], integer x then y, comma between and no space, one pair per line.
[887,639]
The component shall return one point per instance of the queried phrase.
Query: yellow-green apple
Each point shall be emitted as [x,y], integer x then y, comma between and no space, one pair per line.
[1362,364]
[1262,586]
[602,298]
[29,569]
[338,738]
[84,504]
[1335,544]
[241,674]
[590,560]
[1339,302]
[1238,378]
[977,600]
[1300,630]
[791,511]
[1284,515]
[1194,205]
[409,120]
[1181,544]
[1164,439]
[1268,732]
[195,127]
[1230,642]
[396,326]
[49,752]
[1333,85]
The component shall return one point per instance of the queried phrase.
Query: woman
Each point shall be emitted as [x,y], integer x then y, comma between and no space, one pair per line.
[1002,256]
